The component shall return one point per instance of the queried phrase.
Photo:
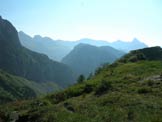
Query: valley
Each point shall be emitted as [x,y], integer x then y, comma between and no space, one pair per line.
[97,61]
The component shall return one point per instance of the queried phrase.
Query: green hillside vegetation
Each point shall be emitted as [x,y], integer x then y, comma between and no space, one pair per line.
[14,88]
[152,53]
[125,91]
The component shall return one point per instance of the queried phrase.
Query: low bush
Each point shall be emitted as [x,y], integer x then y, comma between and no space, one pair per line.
[103,87]
[144,90]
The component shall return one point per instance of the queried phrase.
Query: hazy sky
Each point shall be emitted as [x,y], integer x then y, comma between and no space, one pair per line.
[97,19]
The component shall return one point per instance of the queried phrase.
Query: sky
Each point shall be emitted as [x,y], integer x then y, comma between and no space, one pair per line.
[72,20]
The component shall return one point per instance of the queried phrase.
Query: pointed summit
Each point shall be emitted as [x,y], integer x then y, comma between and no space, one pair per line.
[37,37]
[1,20]
[8,35]
[135,40]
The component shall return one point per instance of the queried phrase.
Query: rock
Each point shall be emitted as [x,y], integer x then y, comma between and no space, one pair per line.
[14,116]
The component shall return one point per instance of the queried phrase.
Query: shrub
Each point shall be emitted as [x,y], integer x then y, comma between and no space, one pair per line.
[150,83]
[103,87]
[80,79]
[130,115]
[144,90]
[90,76]
[88,88]
[133,59]
[98,70]
[69,107]
[75,91]
[58,97]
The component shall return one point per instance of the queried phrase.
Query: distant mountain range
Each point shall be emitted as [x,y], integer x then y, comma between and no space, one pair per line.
[20,61]
[57,49]
[85,58]
[128,46]
[120,45]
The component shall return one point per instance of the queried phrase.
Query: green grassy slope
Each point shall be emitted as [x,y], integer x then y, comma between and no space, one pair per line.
[123,92]
[16,88]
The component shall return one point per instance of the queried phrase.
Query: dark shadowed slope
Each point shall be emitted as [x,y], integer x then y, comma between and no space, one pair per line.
[20,61]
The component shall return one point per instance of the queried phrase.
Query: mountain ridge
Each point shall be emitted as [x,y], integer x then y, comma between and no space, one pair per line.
[85,59]
[151,53]
[18,60]
[53,48]
[57,49]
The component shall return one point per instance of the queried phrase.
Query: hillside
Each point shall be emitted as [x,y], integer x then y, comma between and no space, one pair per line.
[84,58]
[124,91]
[14,88]
[152,53]
[17,60]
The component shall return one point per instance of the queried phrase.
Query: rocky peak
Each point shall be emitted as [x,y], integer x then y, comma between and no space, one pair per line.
[8,34]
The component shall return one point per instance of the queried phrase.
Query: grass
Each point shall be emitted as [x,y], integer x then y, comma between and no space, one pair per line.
[127,92]
[16,88]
